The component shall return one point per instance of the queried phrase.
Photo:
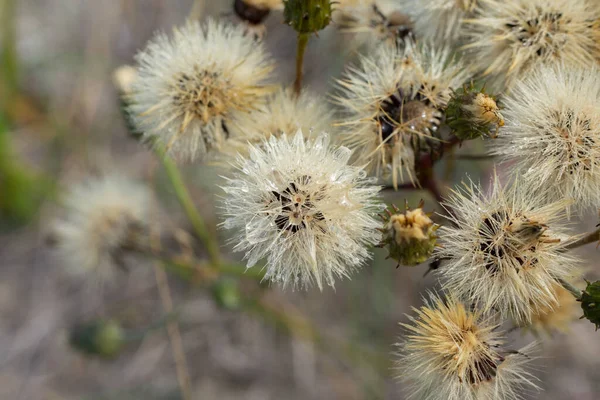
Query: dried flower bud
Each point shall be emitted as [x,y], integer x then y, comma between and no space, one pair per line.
[123,80]
[590,303]
[409,236]
[98,338]
[472,113]
[307,16]
[254,11]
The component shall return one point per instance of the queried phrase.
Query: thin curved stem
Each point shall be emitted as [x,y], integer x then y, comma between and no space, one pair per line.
[587,239]
[183,195]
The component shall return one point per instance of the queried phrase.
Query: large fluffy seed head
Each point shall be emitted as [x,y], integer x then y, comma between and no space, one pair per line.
[391,105]
[373,21]
[552,134]
[437,20]
[452,353]
[503,250]
[190,85]
[284,111]
[510,39]
[103,217]
[298,204]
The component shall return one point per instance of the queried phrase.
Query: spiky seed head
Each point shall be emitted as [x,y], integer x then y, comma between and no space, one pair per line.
[307,16]
[372,22]
[297,203]
[552,134]
[472,113]
[452,353]
[391,105]
[104,218]
[504,250]
[590,303]
[437,21]
[284,111]
[409,236]
[508,40]
[192,84]
[549,320]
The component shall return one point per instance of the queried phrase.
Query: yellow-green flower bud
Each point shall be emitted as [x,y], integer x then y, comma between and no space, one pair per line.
[307,16]
[590,303]
[409,236]
[471,113]
[99,338]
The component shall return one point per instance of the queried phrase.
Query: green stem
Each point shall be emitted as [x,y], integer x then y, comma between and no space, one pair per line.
[301,49]
[183,195]
[574,291]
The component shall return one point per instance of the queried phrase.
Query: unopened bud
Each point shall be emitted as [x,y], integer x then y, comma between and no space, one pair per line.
[307,16]
[409,236]
[98,338]
[471,113]
[590,303]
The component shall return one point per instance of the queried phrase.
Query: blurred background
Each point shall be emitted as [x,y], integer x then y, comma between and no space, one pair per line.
[60,122]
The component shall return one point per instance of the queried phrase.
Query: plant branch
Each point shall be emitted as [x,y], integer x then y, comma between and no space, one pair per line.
[574,291]
[183,195]
[587,239]
[301,49]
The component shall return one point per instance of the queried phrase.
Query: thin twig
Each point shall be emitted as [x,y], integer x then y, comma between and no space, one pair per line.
[301,49]
[574,291]
[587,239]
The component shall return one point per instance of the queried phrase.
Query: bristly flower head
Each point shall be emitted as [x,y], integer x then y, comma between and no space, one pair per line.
[104,217]
[191,85]
[285,111]
[504,250]
[254,12]
[452,353]
[392,105]
[510,39]
[553,134]
[409,236]
[373,21]
[297,203]
[549,320]
[438,21]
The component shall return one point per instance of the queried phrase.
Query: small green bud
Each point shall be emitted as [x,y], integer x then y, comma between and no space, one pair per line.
[590,303]
[98,338]
[471,113]
[409,236]
[307,16]
[226,293]
[123,79]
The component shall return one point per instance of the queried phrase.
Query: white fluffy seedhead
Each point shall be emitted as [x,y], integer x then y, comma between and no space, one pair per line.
[510,39]
[298,204]
[552,134]
[452,353]
[504,250]
[284,111]
[103,218]
[391,104]
[191,84]
[373,21]
[437,21]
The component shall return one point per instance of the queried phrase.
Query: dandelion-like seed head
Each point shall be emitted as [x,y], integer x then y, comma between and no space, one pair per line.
[504,250]
[392,105]
[438,21]
[452,353]
[548,320]
[373,21]
[298,204]
[553,134]
[284,111]
[254,12]
[104,217]
[509,39]
[191,84]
